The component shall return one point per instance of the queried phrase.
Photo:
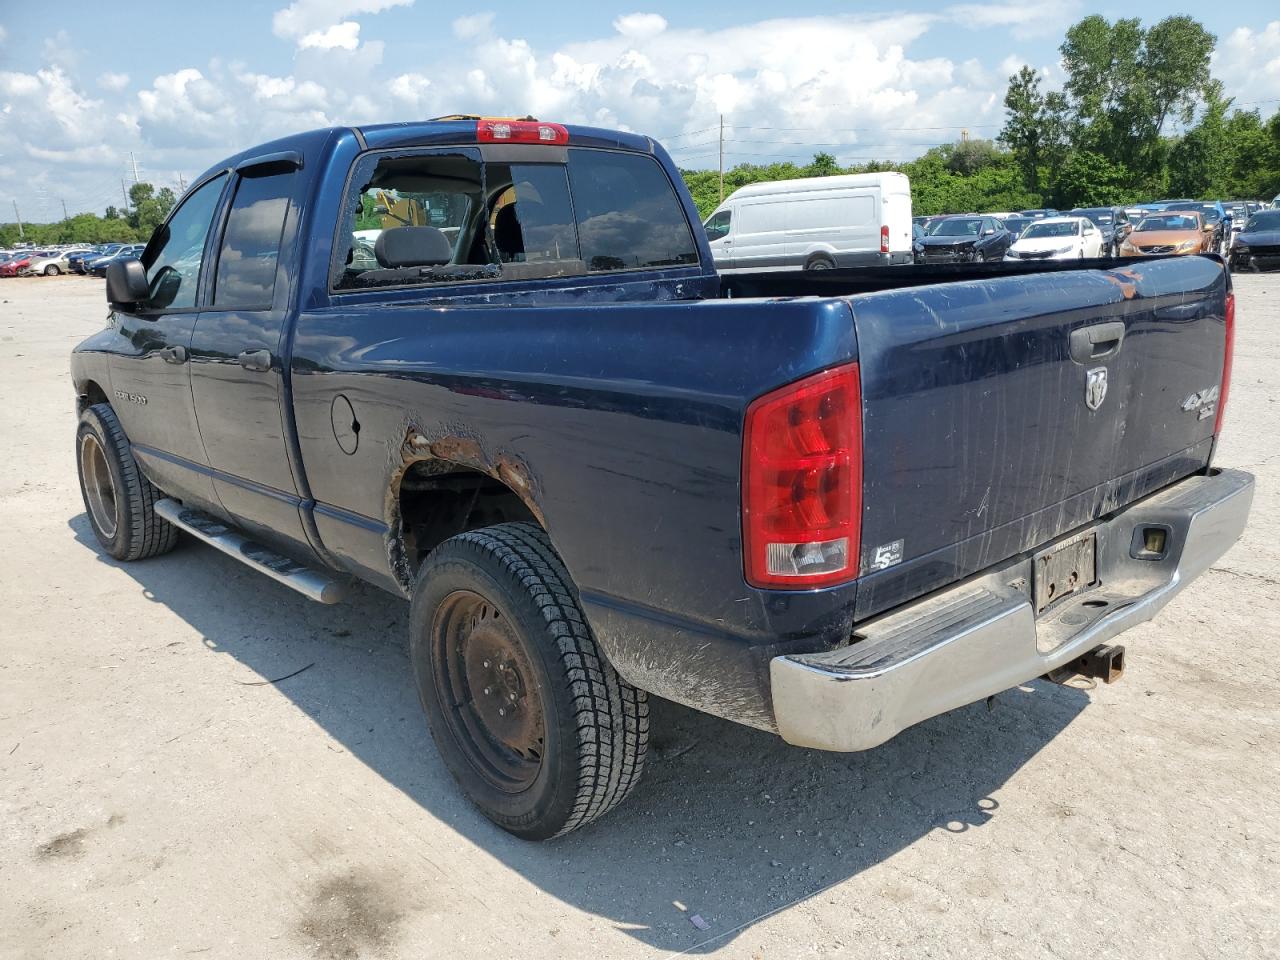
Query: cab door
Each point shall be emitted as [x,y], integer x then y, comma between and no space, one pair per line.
[719,229]
[150,374]
[238,363]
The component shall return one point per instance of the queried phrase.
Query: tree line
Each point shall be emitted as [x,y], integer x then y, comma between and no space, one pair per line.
[1139,117]
[147,209]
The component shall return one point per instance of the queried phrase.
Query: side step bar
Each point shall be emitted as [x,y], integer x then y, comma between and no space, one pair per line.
[310,583]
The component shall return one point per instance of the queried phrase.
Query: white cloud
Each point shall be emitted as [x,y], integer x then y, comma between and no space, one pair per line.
[410,87]
[1023,20]
[113,81]
[344,36]
[286,94]
[474,25]
[640,25]
[1248,63]
[4,34]
[304,19]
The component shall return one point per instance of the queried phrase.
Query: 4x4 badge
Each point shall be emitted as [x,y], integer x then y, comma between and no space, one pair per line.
[1095,387]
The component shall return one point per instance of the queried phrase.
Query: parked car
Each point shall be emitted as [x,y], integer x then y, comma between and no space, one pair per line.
[79,262]
[817,223]
[54,262]
[1039,214]
[963,239]
[1112,222]
[1216,221]
[826,506]
[1173,231]
[1059,238]
[1257,245]
[1016,223]
[98,267]
[17,265]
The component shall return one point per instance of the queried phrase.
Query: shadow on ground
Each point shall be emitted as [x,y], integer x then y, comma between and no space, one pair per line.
[730,821]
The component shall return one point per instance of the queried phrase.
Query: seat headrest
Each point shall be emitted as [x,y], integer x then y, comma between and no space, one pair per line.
[412,247]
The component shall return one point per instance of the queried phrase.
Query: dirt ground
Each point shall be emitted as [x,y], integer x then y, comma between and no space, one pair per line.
[158,799]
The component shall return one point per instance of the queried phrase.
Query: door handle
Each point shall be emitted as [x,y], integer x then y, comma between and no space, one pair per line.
[259,361]
[1096,341]
[174,354]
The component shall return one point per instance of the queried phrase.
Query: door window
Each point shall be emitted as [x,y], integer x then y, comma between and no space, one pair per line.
[718,226]
[246,276]
[176,251]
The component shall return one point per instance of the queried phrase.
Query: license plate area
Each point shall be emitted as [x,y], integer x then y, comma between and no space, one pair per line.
[1064,569]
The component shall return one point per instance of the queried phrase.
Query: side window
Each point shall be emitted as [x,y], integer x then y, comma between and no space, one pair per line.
[718,226]
[173,271]
[246,276]
[628,215]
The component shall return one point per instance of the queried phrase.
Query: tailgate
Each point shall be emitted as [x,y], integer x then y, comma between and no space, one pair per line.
[999,414]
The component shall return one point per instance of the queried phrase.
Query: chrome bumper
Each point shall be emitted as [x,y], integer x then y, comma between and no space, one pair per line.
[970,641]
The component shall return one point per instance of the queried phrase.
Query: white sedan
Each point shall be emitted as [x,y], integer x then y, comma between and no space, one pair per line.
[1058,238]
[55,263]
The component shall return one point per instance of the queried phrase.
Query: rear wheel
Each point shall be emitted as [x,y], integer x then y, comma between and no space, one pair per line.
[820,263]
[534,724]
[120,501]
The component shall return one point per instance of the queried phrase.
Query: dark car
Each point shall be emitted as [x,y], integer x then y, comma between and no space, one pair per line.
[1113,222]
[1216,219]
[961,239]
[1257,245]
[79,262]
[98,267]
[1016,223]
[1039,214]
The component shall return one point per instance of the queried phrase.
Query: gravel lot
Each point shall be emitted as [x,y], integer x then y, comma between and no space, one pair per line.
[154,803]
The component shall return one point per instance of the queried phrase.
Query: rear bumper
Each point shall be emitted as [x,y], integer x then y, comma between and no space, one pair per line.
[976,639]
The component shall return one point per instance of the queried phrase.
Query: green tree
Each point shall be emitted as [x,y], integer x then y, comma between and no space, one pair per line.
[1200,164]
[150,207]
[1089,179]
[1124,83]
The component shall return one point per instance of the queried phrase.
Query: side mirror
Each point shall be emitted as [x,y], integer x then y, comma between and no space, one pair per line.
[126,282]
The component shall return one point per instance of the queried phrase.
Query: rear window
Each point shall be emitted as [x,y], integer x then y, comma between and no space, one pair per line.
[629,216]
[465,220]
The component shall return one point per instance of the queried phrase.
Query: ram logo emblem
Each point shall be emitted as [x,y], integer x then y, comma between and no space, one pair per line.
[1095,387]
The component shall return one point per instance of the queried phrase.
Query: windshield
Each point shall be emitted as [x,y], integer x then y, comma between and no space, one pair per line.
[955,228]
[1038,231]
[1266,220]
[1168,221]
[1099,217]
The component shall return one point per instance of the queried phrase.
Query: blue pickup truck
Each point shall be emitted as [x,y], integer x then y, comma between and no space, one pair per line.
[488,366]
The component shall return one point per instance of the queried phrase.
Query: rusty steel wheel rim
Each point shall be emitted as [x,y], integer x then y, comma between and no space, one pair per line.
[99,489]
[488,690]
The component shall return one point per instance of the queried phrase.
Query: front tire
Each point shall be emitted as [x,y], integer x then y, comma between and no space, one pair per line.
[51,270]
[120,501]
[532,721]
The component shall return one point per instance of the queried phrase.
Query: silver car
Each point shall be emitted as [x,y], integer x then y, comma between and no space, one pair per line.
[53,264]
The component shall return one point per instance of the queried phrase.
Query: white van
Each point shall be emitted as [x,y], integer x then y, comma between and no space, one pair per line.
[854,220]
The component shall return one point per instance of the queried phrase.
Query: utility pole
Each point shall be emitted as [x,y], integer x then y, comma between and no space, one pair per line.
[134,161]
[65,215]
[125,190]
[182,184]
[722,158]
[21,235]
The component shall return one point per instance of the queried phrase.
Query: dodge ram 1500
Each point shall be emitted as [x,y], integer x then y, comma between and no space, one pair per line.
[488,366]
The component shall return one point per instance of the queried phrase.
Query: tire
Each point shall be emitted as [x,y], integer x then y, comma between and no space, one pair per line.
[820,263]
[119,500]
[496,625]
[51,270]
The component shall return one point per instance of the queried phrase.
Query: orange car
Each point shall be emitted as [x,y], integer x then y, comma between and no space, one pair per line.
[1173,231]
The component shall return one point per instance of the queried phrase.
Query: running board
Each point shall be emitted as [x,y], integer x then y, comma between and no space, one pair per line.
[307,581]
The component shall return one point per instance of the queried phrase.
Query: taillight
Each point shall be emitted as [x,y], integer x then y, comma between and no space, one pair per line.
[1227,355]
[802,482]
[520,131]
[884,238]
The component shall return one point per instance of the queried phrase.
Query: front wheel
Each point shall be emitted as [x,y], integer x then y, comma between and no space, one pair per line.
[120,501]
[51,270]
[532,721]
